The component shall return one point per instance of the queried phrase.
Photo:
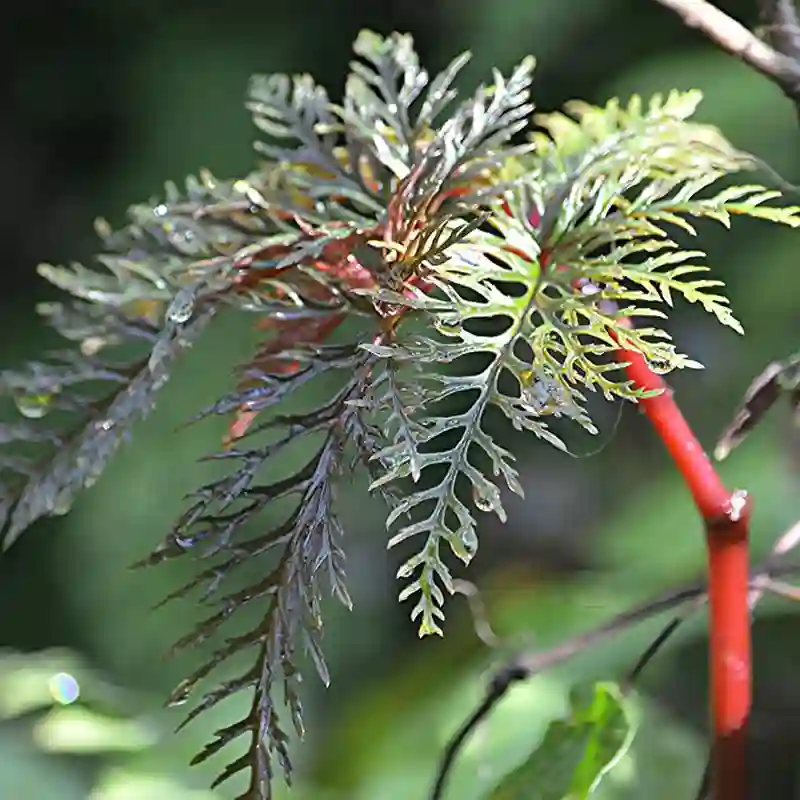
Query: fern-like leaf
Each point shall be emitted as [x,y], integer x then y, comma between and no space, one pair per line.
[308,555]
[579,250]
[465,277]
[154,295]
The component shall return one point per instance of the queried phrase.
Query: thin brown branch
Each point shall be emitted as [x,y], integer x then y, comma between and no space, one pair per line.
[664,636]
[735,39]
[782,589]
[781,26]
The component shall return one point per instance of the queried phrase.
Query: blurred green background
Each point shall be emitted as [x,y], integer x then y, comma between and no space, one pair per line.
[106,101]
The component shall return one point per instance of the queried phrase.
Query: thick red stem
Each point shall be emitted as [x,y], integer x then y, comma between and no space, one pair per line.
[726,516]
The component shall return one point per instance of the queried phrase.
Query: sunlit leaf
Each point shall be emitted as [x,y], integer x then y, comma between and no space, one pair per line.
[576,752]
[80,730]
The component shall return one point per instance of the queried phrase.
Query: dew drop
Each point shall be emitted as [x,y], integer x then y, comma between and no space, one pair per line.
[182,306]
[483,502]
[62,504]
[470,541]
[34,406]
[64,688]
[184,240]
[544,396]
[180,694]
[447,329]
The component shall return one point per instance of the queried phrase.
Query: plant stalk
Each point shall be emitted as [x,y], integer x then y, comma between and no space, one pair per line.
[726,517]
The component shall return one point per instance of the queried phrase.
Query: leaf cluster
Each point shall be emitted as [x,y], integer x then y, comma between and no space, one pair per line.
[481,275]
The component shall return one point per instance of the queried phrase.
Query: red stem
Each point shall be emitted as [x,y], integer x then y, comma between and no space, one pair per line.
[726,517]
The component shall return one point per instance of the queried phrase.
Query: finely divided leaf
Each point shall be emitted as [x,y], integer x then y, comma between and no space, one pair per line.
[47,485]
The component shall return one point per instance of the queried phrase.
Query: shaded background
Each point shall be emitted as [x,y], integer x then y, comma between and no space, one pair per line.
[103,102]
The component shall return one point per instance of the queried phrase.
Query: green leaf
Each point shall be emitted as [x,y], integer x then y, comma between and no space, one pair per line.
[576,752]
[81,731]
[122,784]
[49,679]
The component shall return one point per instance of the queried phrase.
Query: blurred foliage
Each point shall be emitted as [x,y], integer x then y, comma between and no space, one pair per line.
[108,100]
[576,752]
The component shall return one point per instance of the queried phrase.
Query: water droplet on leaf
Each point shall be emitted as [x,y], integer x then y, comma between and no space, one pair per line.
[180,694]
[62,504]
[470,541]
[484,501]
[183,239]
[34,406]
[182,306]
[447,329]
[544,396]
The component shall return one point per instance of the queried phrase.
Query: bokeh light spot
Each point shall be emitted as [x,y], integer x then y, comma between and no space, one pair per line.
[64,688]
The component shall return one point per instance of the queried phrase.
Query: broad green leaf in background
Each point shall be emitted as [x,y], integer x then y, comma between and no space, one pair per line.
[82,731]
[74,711]
[50,679]
[576,752]
[121,784]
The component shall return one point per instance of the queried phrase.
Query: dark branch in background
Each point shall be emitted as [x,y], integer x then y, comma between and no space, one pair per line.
[776,56]
[690,598]
[780,378]
[781,29]
[654,648]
